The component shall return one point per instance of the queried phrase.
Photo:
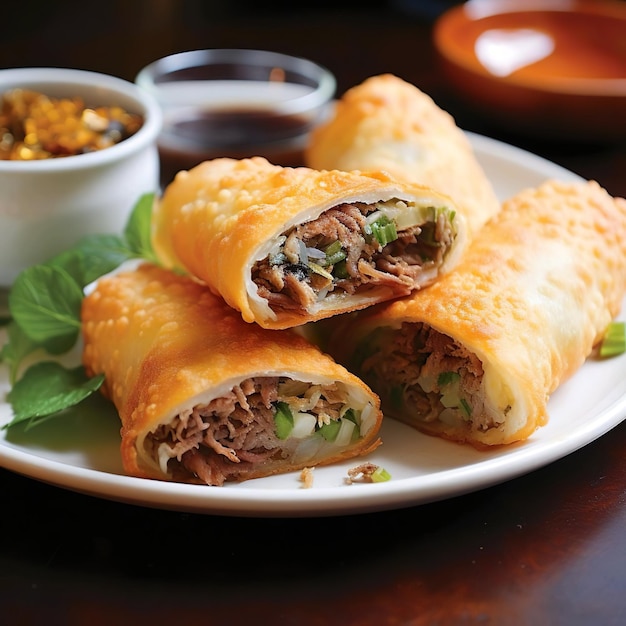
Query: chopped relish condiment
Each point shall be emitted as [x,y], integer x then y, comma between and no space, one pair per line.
[35,126]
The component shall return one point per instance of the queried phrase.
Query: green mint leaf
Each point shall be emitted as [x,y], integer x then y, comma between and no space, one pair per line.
[47,388]
[99,255]
[138,230]
[45,302]
[92,257]
[72,262]
[19,346]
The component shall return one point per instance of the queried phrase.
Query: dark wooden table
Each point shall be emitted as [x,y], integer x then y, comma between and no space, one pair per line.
[547,548]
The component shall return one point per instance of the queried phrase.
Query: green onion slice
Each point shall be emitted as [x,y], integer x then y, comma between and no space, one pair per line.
[447,378]
[330,431]
[283,420]
[380,475]
[614,342]
[318,269]
[340,270]
[383,230]
[352,416]
[465,407]
[334,253]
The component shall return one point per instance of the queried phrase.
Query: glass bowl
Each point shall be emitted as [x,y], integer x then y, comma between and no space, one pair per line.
[236,103]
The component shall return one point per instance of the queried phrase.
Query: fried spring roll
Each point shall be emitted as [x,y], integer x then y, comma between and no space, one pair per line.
[204,397]
[387,124]
[287,246]
[475,357]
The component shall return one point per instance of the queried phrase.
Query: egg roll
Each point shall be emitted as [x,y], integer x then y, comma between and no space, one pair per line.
[287,246]
[475,357]
[387,124]
[204,397]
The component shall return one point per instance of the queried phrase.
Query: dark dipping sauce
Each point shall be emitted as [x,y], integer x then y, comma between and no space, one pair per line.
[234,133]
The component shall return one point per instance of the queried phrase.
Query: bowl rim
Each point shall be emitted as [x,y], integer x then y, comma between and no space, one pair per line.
[477,10]
[324,91]
[145,103]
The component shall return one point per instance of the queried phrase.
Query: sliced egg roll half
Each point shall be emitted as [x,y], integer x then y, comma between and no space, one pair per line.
[287,246]
[475,357]
[388,124]
[204,397]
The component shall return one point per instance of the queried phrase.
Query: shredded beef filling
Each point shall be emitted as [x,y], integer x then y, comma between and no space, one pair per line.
[399,265]
[226,438]
[415,367]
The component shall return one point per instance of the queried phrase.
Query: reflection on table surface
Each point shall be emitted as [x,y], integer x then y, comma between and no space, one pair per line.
[546,548]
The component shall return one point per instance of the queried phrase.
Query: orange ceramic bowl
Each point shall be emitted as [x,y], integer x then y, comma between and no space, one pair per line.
[555,68]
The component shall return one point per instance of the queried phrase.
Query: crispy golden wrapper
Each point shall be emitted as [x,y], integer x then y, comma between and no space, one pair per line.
[387,124]
[286,246]
[475,357]
[198,390]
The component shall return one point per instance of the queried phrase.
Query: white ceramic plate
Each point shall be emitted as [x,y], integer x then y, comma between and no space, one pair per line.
[81,452]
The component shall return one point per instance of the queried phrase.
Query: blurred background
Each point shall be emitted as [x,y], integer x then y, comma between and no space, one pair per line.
[120,37]
[354,39]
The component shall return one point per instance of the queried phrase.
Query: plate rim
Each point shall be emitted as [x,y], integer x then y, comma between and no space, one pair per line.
[237,500]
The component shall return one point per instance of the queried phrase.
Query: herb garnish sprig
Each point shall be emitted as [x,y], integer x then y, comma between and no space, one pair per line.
[45,304]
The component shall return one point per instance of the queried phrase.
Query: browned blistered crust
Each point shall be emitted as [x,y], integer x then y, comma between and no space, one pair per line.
[388,124]
[162,339]
[212,219]
[533,296]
